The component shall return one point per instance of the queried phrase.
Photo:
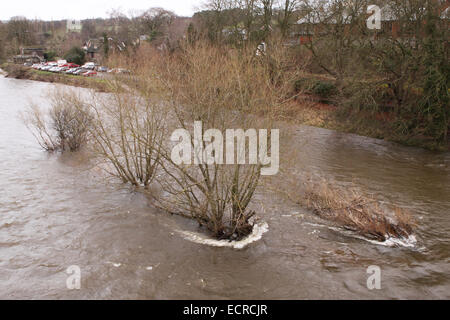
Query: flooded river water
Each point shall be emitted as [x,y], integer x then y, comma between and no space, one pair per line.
[55,211]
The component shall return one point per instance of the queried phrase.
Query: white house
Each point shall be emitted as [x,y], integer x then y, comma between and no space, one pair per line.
[74,26]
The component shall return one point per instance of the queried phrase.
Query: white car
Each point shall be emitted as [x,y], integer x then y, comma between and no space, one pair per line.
[79,72]
[89,66]
[71,70]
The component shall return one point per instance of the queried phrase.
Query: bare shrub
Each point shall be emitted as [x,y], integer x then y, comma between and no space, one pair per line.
[355,211]
[126,131]
[62,127]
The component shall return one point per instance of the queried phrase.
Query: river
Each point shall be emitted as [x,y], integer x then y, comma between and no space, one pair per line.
[56,211]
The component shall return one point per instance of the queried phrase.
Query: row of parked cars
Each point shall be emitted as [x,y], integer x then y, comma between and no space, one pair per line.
[88,70]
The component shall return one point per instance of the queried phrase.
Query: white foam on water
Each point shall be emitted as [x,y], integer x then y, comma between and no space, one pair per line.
[409,242]
[114,264]
[257,233]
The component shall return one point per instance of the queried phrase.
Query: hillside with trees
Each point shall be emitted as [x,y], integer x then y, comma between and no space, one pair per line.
[389,83]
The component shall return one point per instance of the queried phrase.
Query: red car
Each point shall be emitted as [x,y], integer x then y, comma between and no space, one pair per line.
[89,74]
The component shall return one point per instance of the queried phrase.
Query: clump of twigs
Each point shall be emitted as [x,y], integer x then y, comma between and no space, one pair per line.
[357,212]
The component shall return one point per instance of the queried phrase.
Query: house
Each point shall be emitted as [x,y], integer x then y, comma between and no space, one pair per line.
[94,47]
[91,47]
[32,52]
[306,27]
[74,26]
[310,24]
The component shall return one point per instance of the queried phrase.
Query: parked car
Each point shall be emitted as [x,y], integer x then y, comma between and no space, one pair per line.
[70,65]
[90,73]
[72,70]
[49,65]
[80,71]
[89,66]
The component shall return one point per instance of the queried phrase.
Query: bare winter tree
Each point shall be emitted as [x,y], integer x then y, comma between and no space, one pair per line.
[286,15]
[223,89]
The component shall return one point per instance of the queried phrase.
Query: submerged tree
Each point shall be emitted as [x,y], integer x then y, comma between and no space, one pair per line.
[222,89]
[64,126]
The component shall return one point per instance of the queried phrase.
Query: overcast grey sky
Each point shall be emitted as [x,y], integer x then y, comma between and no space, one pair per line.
[81,9]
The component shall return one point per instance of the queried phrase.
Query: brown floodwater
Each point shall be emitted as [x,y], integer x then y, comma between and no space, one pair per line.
[57,211]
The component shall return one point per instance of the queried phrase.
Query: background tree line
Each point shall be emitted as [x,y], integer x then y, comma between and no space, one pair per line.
[399,73]
[155,25]
[401,70]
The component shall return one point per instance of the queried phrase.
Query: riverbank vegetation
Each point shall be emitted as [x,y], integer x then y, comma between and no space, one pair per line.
[397,77]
